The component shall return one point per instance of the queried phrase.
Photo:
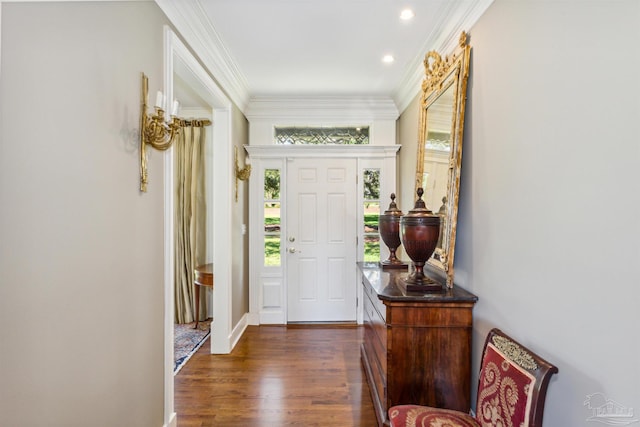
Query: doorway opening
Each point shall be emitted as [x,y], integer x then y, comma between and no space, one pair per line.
[184,75]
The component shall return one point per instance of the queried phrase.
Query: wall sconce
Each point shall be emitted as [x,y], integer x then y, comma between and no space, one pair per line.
[154,130]
[244,173]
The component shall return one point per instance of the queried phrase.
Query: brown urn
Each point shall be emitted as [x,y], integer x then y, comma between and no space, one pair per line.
[390,232]
[419,230]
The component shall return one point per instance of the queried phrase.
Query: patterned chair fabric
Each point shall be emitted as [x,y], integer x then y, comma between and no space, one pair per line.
[414,415]
[511,391]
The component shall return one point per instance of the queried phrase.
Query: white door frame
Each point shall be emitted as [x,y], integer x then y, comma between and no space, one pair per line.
[267,285]
[178,60]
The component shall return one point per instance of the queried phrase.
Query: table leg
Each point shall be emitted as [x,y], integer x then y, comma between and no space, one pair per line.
[197,310]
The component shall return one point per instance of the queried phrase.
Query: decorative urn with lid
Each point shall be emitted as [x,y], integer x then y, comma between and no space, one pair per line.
[419,230]
[390,232]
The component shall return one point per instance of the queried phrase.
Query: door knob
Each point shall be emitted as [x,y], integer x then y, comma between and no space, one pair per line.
[292,239]
[292,250]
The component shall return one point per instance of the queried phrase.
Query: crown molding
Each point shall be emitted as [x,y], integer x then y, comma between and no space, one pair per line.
[331,108]
[190,21]
[453,18]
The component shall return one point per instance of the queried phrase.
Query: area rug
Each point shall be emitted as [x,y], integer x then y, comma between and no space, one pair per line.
[187,341]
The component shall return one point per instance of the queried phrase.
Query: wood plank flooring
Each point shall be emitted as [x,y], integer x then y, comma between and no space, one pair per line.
[278,376]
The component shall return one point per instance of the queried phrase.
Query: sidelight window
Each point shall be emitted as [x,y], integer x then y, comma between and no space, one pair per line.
[272,215]
[371,234]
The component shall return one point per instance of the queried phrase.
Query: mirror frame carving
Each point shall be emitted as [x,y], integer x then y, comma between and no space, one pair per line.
[440,75]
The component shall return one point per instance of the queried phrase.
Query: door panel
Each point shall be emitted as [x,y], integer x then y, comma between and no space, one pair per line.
[321,252]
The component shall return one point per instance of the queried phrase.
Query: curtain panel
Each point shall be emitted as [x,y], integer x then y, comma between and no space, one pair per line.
[190,221]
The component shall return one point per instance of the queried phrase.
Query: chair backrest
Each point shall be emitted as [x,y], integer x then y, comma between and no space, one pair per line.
[513,383]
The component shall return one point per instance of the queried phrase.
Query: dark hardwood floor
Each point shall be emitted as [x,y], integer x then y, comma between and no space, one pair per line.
[278,376]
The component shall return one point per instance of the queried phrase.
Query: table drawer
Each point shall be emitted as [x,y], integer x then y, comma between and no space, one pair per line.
[375,301]
[376,333]
[379,377]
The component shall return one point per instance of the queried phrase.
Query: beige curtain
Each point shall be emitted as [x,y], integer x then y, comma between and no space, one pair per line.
[190,221]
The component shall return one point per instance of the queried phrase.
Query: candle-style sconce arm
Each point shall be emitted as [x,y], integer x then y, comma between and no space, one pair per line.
[241,174]
[155,131]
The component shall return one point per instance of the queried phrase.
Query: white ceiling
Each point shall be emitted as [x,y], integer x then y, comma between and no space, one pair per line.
[328,47]
[284,48]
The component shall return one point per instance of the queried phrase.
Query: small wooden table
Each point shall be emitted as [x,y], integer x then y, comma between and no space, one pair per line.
[203,277]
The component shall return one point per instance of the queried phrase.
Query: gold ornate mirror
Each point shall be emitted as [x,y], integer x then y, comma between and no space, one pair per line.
[440,131]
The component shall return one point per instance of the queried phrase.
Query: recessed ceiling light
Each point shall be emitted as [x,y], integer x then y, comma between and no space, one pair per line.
[407,14]
[388,59]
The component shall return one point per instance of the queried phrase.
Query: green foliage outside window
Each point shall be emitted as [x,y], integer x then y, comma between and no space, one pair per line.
[371,222]
[371,184]
[272,217]
[272,250]
[271,184]
[371,193]
[371,249]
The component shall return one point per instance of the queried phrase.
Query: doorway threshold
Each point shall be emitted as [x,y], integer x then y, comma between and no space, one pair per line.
[321,324]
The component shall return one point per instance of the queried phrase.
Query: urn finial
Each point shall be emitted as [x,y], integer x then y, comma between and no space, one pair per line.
[419,232]
[390,232]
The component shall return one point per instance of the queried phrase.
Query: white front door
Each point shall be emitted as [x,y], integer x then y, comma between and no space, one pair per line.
[321,242]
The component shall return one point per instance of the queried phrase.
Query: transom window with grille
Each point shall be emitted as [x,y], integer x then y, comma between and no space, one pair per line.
[371,234]
[322,135]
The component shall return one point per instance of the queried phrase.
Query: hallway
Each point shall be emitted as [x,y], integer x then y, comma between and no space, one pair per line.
[276,376]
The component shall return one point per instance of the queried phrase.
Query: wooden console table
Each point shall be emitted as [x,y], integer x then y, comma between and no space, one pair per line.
[416,347]
[203,277]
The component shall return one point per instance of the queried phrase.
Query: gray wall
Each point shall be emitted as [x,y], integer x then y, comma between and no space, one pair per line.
[408,137]
[240,245]
[549,225]
[81,250]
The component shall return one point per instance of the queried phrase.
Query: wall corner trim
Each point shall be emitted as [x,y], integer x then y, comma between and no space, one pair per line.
[453,21]
[197,32]
[173,421]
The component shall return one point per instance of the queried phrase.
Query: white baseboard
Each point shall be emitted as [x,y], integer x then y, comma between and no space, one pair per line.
[238,330]
[253,319]
[272,318]
[173,421]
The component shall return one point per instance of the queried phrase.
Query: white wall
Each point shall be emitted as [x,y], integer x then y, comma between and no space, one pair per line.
[549,226]
[81,250]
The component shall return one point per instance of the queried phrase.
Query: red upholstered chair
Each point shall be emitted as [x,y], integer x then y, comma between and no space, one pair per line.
[511,391]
